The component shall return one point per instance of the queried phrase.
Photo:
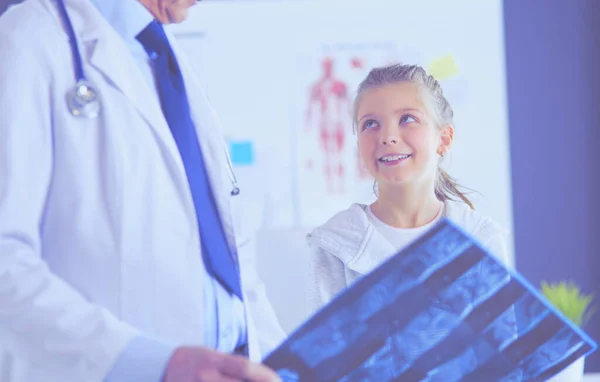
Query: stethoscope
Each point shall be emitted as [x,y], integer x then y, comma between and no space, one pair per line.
[84,101]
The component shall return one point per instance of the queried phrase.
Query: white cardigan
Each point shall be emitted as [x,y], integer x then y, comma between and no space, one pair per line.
[348,246]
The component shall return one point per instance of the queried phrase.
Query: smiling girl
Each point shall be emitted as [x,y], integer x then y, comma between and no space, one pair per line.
[405,128]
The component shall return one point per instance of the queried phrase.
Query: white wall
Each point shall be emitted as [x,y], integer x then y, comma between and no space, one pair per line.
[258,59]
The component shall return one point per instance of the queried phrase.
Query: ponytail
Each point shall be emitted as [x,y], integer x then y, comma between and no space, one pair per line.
[446,188]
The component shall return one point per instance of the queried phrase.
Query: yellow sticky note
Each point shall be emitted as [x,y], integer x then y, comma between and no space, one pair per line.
[443,68]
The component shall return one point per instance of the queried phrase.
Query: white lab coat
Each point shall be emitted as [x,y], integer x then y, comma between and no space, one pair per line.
[98,235]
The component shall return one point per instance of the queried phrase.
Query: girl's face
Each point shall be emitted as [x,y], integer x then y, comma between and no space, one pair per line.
[398,140]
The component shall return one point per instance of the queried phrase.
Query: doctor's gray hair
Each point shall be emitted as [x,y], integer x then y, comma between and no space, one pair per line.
[446,188]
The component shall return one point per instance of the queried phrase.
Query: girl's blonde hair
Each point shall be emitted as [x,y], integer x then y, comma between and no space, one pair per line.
[446,188]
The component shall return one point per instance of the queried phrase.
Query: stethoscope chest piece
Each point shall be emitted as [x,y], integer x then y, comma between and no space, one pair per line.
[83,100]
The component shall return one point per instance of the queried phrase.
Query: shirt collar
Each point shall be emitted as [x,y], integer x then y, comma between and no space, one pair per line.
[127,17]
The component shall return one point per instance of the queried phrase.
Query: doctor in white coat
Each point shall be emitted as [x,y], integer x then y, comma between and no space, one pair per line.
[102,272]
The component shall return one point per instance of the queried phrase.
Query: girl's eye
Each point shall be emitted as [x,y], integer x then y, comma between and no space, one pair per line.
[369,124]
[407,118]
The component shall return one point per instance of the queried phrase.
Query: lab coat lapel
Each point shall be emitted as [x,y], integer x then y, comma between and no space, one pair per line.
[106,53]
[103,48]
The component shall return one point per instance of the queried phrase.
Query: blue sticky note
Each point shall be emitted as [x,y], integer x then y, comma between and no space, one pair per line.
[242,153]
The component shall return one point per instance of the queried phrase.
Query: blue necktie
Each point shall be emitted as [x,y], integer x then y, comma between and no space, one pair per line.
[174,102]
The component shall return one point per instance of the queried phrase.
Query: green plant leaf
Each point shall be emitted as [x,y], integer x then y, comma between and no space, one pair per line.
[569,300]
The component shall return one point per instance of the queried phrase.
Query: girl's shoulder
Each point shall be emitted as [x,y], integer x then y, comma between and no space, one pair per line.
[344,233]
[481,227]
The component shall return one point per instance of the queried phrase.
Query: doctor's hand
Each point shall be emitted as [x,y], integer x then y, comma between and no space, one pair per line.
[198,364]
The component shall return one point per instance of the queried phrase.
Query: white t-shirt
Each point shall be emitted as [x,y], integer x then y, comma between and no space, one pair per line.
[401,237]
